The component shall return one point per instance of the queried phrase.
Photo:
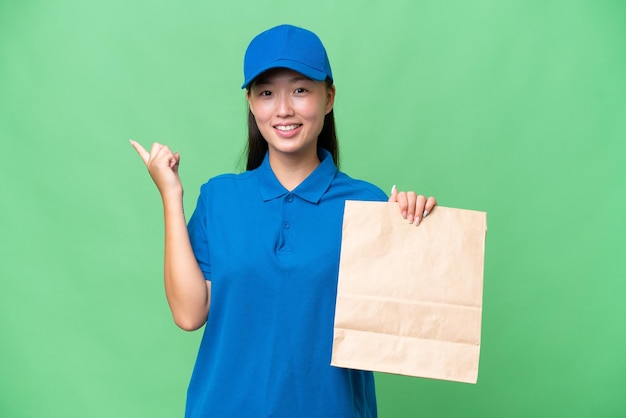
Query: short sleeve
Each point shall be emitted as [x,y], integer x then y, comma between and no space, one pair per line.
[197,228]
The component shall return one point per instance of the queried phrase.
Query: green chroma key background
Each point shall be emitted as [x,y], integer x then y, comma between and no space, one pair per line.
[516,108]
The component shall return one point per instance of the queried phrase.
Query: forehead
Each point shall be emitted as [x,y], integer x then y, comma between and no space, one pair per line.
[276,75]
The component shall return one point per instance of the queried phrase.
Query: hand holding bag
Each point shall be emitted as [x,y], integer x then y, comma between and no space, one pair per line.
[409,299]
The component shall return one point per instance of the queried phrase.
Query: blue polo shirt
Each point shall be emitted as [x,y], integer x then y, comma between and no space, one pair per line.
[272,257]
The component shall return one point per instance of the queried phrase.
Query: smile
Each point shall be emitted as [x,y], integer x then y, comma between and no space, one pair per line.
[287,127]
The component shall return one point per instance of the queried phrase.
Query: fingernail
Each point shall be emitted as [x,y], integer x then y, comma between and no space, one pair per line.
[410,219]
[393,189]
[404,214]
[425,214]
[417,221]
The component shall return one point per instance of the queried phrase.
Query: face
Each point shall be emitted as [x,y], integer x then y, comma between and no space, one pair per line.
[289,110]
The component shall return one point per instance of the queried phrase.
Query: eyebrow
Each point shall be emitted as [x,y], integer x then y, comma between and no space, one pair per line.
[264,80]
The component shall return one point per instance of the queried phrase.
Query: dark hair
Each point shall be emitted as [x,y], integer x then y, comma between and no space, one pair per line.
[257,145]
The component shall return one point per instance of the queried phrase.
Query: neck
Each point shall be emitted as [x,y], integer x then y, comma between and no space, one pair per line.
[291,170]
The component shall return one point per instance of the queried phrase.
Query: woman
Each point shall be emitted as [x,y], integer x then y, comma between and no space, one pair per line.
[262,247]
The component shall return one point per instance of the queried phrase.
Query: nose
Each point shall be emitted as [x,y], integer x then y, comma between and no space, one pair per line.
[284,106]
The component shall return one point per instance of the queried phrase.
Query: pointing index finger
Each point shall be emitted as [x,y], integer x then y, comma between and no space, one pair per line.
[145,155]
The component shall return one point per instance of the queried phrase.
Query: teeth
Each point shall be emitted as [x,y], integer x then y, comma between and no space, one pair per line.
[286,127]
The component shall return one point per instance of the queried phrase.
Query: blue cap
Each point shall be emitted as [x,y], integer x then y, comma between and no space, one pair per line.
[286,46]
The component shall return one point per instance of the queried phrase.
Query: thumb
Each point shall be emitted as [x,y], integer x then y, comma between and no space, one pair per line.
[175,162]
[394,194]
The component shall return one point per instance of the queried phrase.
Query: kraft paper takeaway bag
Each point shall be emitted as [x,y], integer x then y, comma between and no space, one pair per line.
[409,299]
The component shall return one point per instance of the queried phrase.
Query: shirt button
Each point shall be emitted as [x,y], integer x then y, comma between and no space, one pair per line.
[289,198]
[286,225]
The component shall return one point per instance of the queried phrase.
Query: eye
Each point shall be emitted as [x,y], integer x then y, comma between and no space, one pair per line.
[300,90]
[265,93]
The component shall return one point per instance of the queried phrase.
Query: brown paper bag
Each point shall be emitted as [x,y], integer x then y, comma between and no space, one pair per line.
[409,299]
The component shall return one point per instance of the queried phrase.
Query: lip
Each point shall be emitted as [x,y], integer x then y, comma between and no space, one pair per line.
[287,130]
